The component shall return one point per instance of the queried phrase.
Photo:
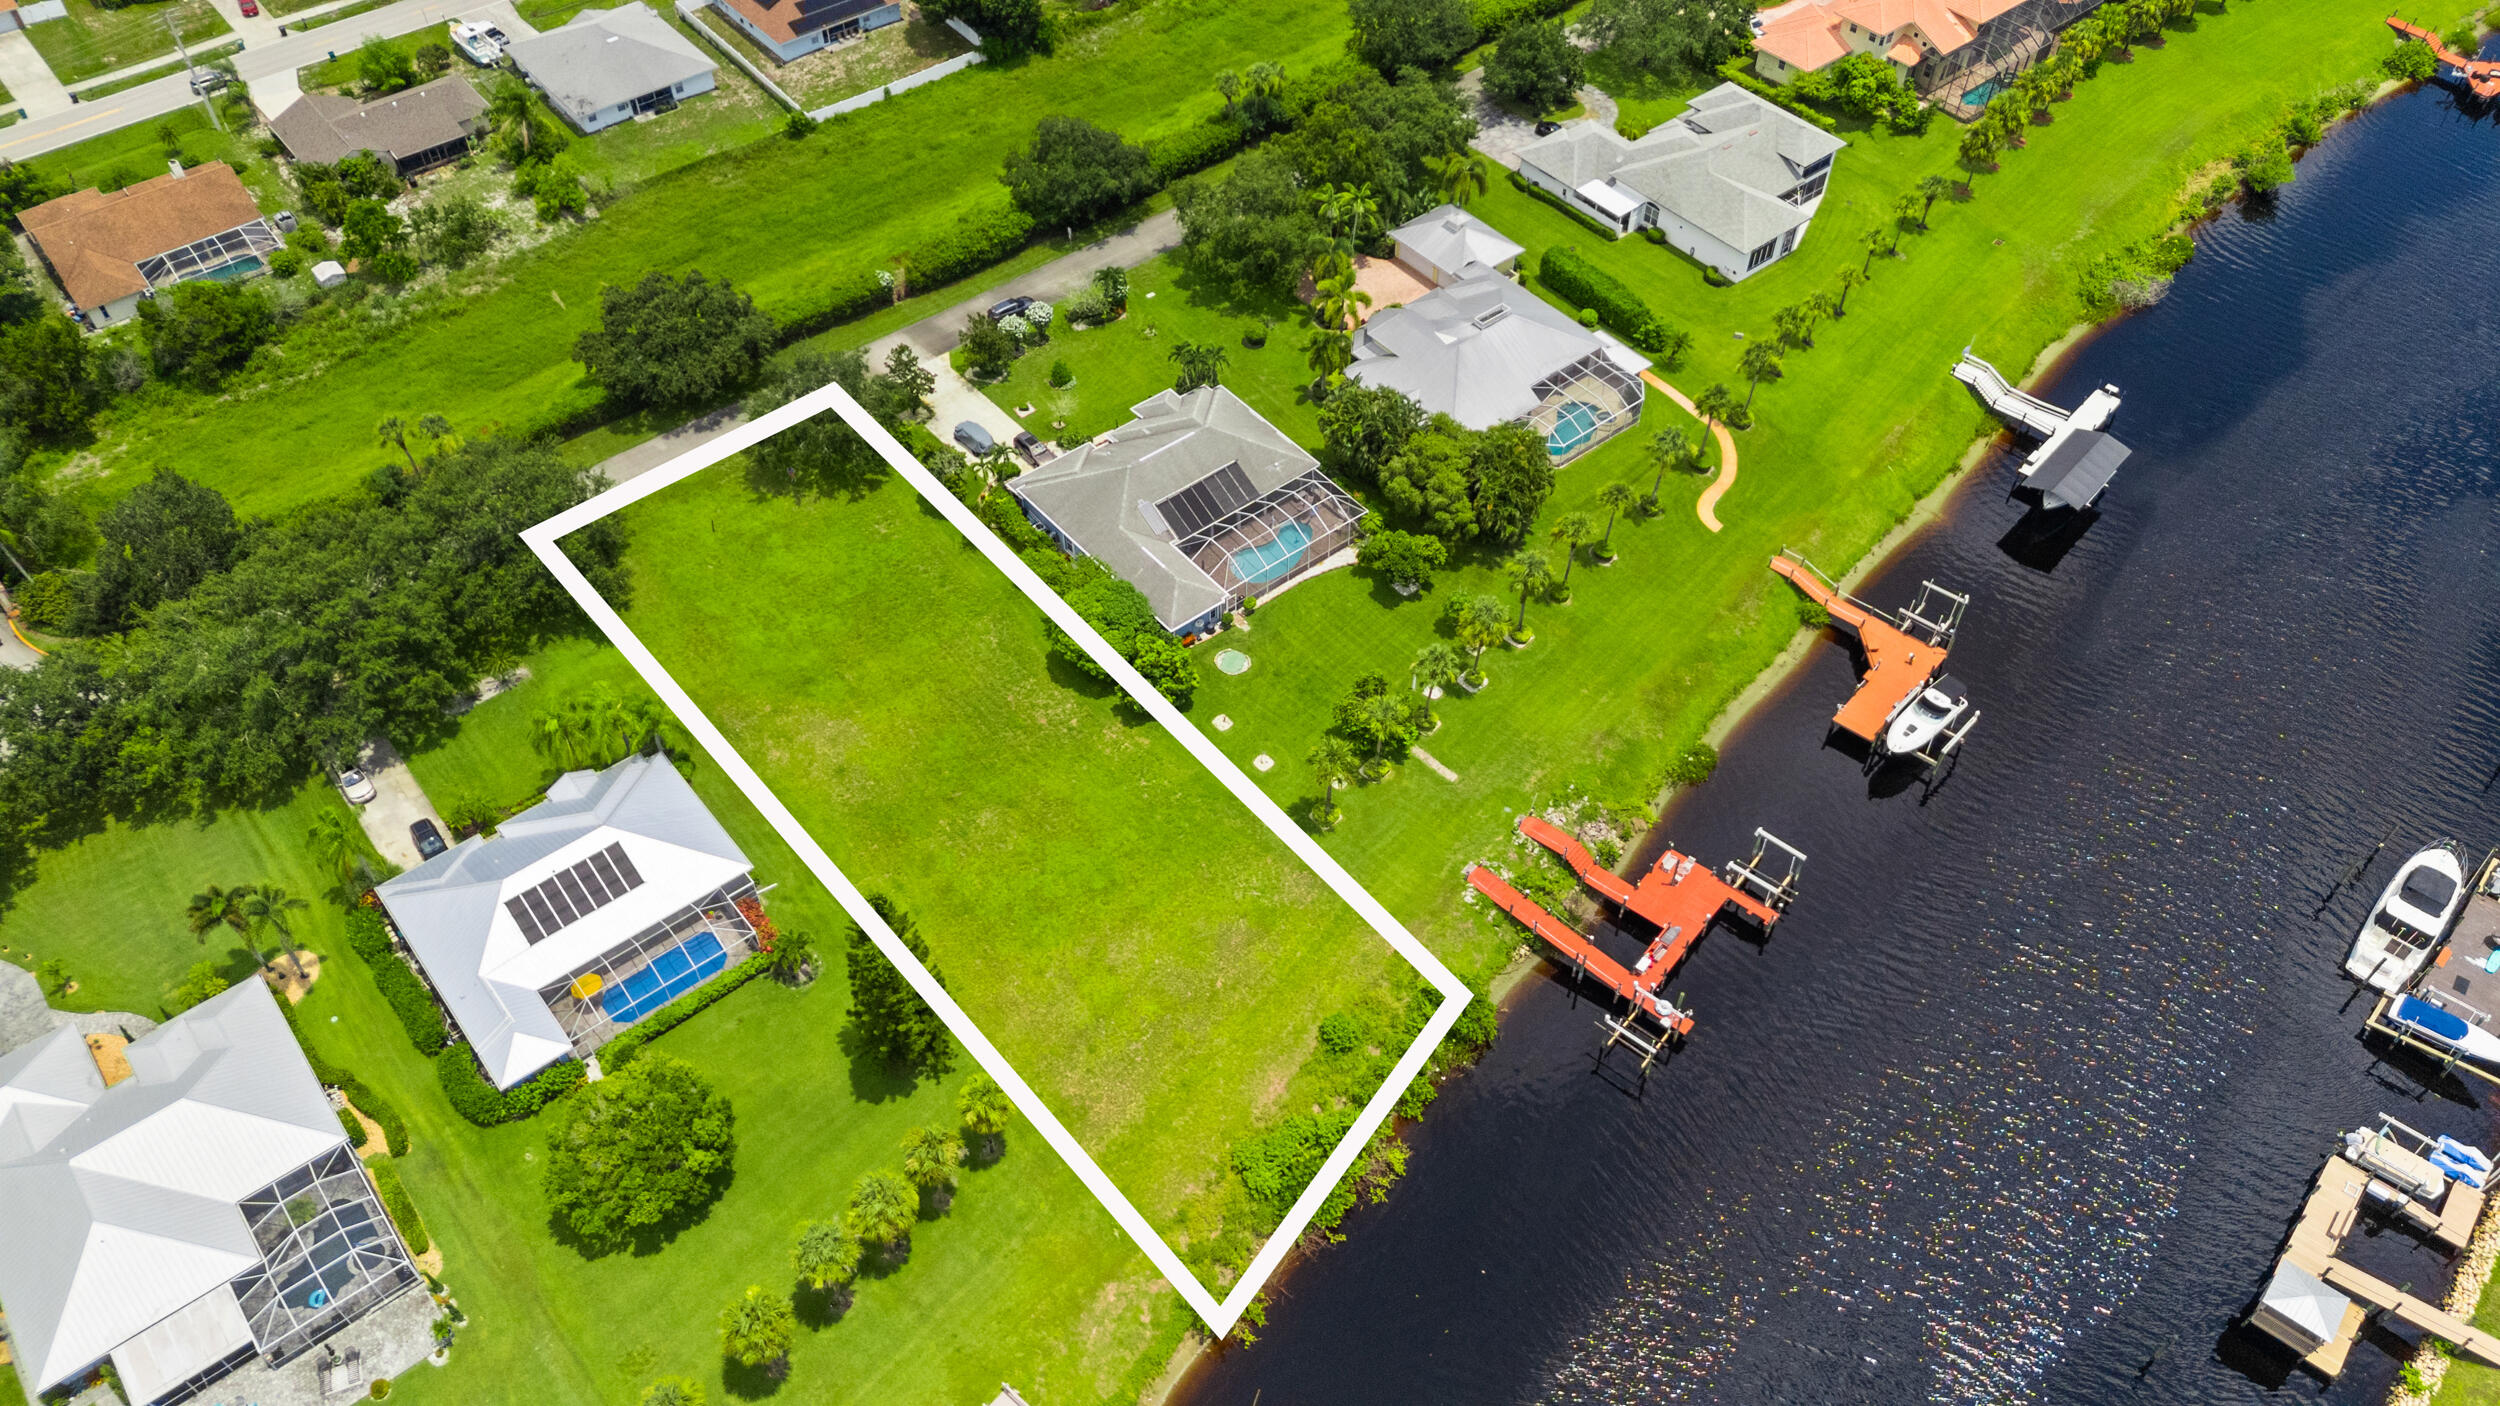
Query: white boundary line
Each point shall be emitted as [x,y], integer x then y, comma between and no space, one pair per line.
[545,539]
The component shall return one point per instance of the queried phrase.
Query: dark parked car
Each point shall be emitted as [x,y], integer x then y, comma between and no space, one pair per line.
[429,840]
[1547,129]
[1030,446]
[1011,307]
[973,438]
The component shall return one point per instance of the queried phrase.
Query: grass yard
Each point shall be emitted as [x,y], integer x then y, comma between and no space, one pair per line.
[1147,954]
[199,58]
[875,59]
[92,40]
[496,357]
[340,74]
[133,154]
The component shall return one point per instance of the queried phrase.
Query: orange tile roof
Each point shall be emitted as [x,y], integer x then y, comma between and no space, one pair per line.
[1809,36]
[95,240]
[1905,52]
[1806,38]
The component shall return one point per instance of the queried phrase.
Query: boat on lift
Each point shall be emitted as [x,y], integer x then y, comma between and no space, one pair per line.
[1925,716]
[2411,917]
[2446,1029]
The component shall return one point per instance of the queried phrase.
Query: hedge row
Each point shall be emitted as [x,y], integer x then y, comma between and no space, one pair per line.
[619,1052]
[354,1127]
[408,998]
[395,1200]
[1186,153]
[1582,284]
[465,1084]
[1739,71]
[394,1132]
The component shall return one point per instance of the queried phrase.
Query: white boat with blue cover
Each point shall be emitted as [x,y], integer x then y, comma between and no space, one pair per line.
[2411,917]
[2445,1029]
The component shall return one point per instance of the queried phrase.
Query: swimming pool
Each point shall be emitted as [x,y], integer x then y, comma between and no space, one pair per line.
[1573,428]
[1978,97]
[671,974]
[1274,558]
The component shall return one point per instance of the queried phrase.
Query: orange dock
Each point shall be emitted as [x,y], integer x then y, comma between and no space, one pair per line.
[1679,896]
[1901,655]
[2482,76]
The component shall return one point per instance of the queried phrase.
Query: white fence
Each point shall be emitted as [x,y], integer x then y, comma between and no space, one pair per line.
[931,74]
[691,11]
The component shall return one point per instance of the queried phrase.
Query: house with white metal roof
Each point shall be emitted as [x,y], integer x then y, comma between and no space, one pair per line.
[615,895]
[1447,245]
[603,67]
[1198,503]
[1487,351]
[1733,180]
[202,1212]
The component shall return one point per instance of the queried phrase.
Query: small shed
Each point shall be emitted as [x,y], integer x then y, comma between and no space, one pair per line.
[2299,1310]
[329,273]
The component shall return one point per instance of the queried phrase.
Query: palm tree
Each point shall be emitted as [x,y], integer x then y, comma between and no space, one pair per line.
[756,1328]
[1760,363]
[1200,363]
[1228,83]
[556,734]
[1904,217]
[508,112]
[1873,239]
[394,430]
[1530,569]
[1347,210]
[824,1257]
[217,907]
[1572,530]
[1979,150]
[1670,449]
[1436,669]
[336,842]
[1333,764]
[1930,190]
[881,1209]
[984,1108]
[930,1157]
[1795,324]
[1383,719]
[1479,621]
[1716,405]
[1848,279]
[1334,298]
[1614,498]
[267,907]
[1456,177]
[1328,353]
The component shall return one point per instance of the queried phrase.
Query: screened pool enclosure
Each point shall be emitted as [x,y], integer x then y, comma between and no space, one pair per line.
[1249,549]
[666,960]
[328,1256]
[1584,403]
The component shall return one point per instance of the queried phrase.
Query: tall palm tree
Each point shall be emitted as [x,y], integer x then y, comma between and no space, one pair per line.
[881,1209]
[217,907]
[1795,324]
[1671,449]
[1333,764]
[1873,239]
[267,908]
[1437,667]
[1717,406]
[1348,211]
[930,1157]
[984,1107]
[1760,363]
[1480,621]
[508,113]
[1614,498]
[555,733]
[336,842]
[1930,190]
[1328,352]
[1572,530]
[1335,301]
[1383,718]
[394,430]
[1848,279]
[1529,569]
[1457,177]
[1904,216]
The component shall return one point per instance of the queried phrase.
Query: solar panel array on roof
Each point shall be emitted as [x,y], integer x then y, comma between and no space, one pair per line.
[1206,500]
[574,894]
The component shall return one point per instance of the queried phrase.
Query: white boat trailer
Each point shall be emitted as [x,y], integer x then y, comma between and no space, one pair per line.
[2074,461]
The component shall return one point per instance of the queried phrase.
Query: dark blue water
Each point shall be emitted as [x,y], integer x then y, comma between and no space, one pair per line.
[2019,1101]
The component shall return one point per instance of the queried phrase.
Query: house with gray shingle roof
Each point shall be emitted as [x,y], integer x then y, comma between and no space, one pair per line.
[414,130]
[202,1212]
[603,67]
[1198,503]
[1733,180]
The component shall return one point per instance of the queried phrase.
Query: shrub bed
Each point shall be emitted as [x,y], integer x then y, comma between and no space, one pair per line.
[408,998]
[465,1084]
[402,1210]
[1584,285]
[619,1052]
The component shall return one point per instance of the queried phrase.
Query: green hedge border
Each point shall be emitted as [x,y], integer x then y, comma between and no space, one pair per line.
[394,1131]
[403,1211]
[409,1000]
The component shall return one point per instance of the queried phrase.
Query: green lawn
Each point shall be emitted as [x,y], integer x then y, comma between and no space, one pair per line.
[735,113]
[199,57]
[1134,941]
[91,39]
[776,217]
[2469,1383]
[340,73]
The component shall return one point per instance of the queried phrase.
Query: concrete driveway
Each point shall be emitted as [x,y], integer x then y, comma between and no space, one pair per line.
[398,802]
[1500,134]
[28,79]
[956,400]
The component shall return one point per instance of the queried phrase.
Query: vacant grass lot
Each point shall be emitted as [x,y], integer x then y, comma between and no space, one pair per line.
[1136,943]
[91,39]
[776,217]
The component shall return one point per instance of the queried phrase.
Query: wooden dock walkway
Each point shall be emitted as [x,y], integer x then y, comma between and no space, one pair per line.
[2329,1215]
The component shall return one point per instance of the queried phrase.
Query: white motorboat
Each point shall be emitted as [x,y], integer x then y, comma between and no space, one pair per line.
[2446,1029]
[481,42]
[1924,716]
[2410,919]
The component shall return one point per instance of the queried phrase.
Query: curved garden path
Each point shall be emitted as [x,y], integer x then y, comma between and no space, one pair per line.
[1708,507]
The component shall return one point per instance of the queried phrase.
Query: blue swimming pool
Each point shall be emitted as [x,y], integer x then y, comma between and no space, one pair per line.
[671,974]
[1273,559]
[1573,428]
[1978,97]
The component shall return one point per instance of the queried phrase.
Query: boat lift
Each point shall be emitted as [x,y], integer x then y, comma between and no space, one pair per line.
[2460,978]
[2481,77]
[1904,653]
[1678,896]
[2072,462]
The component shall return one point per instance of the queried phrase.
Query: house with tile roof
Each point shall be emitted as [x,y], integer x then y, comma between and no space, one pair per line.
[789,29]
[1953,51]
[414,130]
[602,67]
[110,249]
[613,896]
[1198,502]
[177,1224]
[1732,180]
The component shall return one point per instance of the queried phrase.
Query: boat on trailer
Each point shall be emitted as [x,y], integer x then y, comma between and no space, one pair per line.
[2411,917]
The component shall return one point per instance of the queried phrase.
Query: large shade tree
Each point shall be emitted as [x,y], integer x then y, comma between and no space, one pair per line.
[643,1146]
[1394,34]
[674,341]
[1073,171]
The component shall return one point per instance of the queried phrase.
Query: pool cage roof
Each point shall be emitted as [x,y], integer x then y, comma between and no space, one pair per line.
[328,1255]
[585,1016]
[1611,394]
[203,255]
[1313,504]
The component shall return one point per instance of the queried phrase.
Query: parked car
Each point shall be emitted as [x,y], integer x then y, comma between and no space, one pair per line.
[207,81]
[1547,129]
[355,786]
[251,8]
[1012,307]
[429,840]
[1029,445]
[974,439]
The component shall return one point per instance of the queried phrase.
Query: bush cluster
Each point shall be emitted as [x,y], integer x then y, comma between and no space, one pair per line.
[403,1211]
[479,1101]
[1194,149]
[619,1052]
[1494,16]
[1583,284]
[408,998]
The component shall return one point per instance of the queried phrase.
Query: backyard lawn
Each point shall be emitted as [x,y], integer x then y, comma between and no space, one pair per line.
[92,39]
[1136,943]
[879,57]
[779,218]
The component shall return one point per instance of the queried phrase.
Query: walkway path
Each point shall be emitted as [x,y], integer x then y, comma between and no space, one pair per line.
[931,338]
[1708,507]
[28,79]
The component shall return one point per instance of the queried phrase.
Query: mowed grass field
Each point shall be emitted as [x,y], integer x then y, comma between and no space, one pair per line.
[778,218]
[1137,944]
[92,39]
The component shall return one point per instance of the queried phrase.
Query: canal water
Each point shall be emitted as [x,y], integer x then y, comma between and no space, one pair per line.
[2017,1104]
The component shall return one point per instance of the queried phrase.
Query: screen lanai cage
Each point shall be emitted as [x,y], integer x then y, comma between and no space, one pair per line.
[240,249]
[1963,81]
[1260,545]
[671,957]
[1581,405]
[328,1255]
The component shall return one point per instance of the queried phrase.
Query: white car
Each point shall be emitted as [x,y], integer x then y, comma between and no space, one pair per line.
[2410,919]
[354,785]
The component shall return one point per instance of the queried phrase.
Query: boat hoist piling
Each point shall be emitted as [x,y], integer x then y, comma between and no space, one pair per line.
[1679,897]
[1905,704]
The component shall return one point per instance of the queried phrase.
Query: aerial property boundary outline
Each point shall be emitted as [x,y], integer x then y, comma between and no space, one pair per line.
[546,538]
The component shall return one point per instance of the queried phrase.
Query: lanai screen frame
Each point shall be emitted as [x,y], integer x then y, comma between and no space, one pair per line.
[546,539]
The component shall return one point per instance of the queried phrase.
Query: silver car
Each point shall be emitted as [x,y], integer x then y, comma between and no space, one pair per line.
[974,439]
[354,785]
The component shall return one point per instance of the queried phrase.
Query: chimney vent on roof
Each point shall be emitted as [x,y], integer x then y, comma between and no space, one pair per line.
[176,163]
